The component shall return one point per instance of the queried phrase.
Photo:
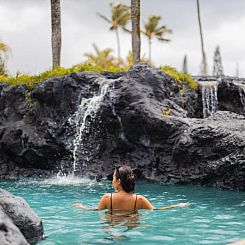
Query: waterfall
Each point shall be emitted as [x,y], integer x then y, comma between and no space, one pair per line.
[209,97]
[82,119]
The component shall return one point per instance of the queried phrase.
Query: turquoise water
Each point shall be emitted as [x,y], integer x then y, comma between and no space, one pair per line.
[215,216]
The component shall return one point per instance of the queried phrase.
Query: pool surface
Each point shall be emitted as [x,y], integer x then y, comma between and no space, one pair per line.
[214,217]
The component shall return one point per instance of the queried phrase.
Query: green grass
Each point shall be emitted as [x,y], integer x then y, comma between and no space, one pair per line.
[180,77]
[32,80]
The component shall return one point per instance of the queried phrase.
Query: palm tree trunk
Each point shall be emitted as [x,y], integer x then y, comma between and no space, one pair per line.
[118,45]
[149,43]
[204,62]
[185,67]
[56,32]
[135,19]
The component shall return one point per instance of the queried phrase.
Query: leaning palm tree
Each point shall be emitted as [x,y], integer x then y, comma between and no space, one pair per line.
[204,61]
[152,29]
[4,51]
[56,32]
[135,19]
[120,15]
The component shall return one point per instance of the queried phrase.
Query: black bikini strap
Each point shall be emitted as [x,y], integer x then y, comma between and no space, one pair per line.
[111,201]
[135,203]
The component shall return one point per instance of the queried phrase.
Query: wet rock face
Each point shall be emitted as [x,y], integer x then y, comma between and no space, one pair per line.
[9,233]
[18,221]
[33,124]
[211,151]
[141,120]
[231,96]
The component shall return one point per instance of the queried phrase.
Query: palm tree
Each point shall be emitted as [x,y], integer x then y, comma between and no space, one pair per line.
[218,67]
[185,66]
[152,29]
[237,70]
[102,58]
[120,15]
[135,19]
[56,32]
[4,51]
[204,61]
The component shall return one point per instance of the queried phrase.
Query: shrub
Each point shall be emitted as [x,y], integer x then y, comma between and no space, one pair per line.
[32,80]
[180,77]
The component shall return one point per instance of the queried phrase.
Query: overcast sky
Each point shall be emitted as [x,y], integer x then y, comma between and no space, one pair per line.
[25,26]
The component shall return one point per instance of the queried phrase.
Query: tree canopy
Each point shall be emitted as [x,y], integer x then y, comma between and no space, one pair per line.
[153,29]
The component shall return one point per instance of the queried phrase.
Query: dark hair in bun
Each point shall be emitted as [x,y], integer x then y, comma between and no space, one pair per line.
[127,177]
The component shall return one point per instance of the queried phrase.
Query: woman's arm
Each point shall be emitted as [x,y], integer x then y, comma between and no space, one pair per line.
[104,201]
[79,205]
[145,204]
[102,204]
[174,206]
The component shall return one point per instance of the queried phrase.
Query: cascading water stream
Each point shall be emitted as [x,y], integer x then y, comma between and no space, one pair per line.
[82,119]
[209,97]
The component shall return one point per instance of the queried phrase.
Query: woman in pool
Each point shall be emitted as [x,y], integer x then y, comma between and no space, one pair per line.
[123,198]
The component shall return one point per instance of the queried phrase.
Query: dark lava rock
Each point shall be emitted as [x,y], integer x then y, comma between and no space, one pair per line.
[231,95]
[9,233]
[22,217]
[139,118]
[212,151]
[165,147]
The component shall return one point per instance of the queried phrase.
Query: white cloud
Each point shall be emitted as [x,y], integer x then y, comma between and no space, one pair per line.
[20,21]
[25,27]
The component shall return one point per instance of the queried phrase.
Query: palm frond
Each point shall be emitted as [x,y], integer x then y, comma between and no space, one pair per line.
[127,30]
[104,18]
[112,28]
[163,39]
[151,28]
[4,50]
[120,14]
[101,58]
[162,30]
[4,47]
[96,48]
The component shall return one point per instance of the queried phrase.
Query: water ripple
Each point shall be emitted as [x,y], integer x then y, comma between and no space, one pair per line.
[215,216]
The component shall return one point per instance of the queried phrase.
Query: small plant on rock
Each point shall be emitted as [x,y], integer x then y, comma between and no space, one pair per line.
[180,77]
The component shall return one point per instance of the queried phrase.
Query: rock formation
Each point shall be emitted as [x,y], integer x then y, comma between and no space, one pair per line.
[139,118]
[18,222]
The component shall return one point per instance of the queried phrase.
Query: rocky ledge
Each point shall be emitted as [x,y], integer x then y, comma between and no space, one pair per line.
[18,222]
[139,118]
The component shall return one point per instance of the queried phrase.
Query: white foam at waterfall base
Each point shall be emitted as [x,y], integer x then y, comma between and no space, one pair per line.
[60,180]
[87,108]
[68,180]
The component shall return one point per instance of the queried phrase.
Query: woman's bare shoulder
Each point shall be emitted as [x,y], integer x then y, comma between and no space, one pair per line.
[144,202]
[141,197]
[106,196]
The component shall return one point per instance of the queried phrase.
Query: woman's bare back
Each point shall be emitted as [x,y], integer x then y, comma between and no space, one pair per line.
[123,201]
